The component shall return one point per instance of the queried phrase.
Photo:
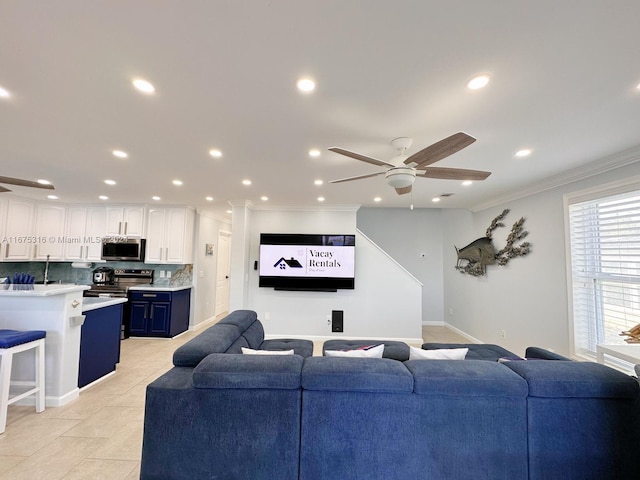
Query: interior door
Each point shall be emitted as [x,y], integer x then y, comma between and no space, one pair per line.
[222,273]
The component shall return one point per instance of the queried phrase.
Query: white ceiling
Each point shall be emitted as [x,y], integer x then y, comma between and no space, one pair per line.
[564,83]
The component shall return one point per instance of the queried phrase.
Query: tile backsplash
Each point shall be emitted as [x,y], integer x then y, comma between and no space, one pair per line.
[63,272]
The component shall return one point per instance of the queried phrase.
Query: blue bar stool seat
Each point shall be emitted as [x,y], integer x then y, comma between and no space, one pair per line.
[12,342]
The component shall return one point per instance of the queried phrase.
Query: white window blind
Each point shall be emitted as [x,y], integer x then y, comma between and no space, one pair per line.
[605,269]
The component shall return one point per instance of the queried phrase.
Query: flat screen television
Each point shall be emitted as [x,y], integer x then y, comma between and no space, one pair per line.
[307,262]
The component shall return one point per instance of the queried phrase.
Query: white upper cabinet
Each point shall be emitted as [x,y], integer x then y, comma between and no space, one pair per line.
[49,229]
[84,230]
[18,239]
[170,235]
[125,221]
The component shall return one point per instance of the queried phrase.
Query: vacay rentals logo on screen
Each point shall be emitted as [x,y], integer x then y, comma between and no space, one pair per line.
[312,261]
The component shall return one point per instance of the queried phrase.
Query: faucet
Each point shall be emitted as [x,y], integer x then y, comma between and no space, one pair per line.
[46,271]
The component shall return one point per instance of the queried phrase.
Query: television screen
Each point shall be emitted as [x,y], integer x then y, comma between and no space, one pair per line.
[307,262]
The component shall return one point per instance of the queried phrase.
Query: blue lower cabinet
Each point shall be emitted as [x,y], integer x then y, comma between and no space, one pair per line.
[99,343]
[159,314]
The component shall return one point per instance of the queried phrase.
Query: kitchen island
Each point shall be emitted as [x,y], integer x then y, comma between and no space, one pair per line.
[57,309]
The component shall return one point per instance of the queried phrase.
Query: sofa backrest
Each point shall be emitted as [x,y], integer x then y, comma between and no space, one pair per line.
[241,328]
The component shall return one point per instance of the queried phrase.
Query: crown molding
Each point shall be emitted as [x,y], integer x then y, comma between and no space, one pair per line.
[597,167]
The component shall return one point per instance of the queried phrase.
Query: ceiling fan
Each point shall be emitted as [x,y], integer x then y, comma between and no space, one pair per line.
[23,183]
[404,169]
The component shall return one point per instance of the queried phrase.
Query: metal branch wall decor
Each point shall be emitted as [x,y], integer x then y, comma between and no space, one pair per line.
[481,252]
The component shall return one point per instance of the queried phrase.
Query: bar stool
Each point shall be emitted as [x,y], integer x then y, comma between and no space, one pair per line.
[12,342]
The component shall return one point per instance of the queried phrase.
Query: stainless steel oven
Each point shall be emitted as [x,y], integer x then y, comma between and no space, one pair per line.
[122,280]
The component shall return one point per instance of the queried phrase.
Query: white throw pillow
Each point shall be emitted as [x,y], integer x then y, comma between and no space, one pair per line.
[250,351]
[438,354]
[373,352]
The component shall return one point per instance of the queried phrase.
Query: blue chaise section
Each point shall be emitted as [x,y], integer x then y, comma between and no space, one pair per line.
[583,420]
[231,417]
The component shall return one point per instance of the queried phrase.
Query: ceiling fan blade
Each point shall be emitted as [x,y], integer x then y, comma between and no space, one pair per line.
[358,177]
[403,190]
[452,173]
[362,158]
[440,150]
[24,183]
[2,189]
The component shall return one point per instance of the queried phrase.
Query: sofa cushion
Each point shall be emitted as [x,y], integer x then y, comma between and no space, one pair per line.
[304,348]
[477,351]
[254,334]
[392,349]
[215,339]
[552,379]
[468,378]
[221,370]
[238,345]
[543,354]
[240,318]
[356,375]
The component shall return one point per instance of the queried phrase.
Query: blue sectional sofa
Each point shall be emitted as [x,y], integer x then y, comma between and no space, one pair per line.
[232,416]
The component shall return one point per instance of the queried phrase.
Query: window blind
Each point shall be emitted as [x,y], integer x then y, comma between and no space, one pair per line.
[605,267]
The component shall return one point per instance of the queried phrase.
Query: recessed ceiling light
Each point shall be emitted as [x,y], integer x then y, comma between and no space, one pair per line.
[177,182]
[103,197]
[246,181]
[110,182]
[143,86]
[525,152]
[52,197]
[120,154]
[264,198]
[209,199]
[321,199]
[435,199]
[229,211]
[43,182]
[478,82]
[318,182]
[4,93]
[466,183]
[306,85]
[377,199]
[215,153]
[155,197]
[314,152]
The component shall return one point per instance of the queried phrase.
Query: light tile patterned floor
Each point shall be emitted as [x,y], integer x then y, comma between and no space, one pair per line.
[99,435]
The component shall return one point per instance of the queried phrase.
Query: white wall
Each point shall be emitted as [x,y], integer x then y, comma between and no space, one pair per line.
[528,297]
[386,301]
[205,266]
[405,235]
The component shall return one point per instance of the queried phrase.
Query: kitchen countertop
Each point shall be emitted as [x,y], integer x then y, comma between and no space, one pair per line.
[159,288]
[93,303]
[19,290]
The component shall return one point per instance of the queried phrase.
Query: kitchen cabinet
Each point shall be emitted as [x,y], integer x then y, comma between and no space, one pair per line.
[170,235]
[159,313]
[84,230]
[99,343]
[17,234]
[125,221]
[49,232]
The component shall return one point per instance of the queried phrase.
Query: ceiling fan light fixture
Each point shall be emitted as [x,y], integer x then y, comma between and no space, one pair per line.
[400,177]
[479,81]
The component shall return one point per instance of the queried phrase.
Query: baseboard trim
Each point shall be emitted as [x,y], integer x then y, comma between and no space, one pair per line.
[463,334]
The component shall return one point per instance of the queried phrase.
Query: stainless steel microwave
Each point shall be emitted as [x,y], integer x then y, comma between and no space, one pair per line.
[123,249]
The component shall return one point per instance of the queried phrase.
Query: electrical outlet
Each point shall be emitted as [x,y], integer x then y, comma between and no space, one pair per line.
[168,273]
[162,273]
[503,333]
[267,315]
